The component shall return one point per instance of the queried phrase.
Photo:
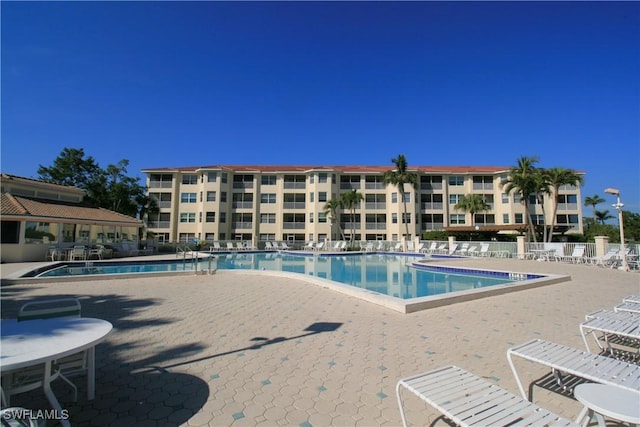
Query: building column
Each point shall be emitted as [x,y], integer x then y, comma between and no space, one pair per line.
[452,241]
[521,247]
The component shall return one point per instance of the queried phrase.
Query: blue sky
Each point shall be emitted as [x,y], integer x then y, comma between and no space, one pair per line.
[326,83]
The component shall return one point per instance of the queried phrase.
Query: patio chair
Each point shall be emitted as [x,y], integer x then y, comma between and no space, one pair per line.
[570,366]
[368,247]
[632,307]
[442,249]
[97,252]
[319,246]
[420,247]
[433,247]
[78,252]
[30,378]
[577,255]
[343,245]
[468,400]
[613,327]
[284,246]
[610,259]
[310,245]
[632,298]
[216,247]
[398,247]
[484,251]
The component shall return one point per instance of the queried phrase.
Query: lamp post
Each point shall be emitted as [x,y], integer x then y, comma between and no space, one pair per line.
[618,205]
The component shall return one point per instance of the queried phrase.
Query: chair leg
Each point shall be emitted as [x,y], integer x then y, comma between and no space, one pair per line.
[75,388]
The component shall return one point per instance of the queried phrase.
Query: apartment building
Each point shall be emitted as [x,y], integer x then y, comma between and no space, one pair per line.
[287,203]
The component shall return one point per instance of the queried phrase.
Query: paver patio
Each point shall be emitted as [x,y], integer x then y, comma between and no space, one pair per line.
[241,348]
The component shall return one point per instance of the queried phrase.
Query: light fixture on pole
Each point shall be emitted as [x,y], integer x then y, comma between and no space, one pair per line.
[618,205]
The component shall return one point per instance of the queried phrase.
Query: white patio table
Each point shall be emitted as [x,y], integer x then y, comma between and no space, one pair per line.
[42,341]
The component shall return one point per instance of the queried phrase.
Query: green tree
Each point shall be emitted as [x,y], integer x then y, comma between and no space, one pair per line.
[593,201]
[108,188]
[556,178]
[331,210]
[523,181]
[71,168]
[472,203]
[350,201]
[603,216]
[399,177]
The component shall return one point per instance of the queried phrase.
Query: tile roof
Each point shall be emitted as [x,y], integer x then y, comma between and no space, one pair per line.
[347,168]
[23,206]
[39,183]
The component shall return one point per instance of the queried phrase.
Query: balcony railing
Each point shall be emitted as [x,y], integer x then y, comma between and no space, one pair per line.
[162,205]
[159,224]
[428,226]
[375,226]
[567,206]
[293,225]
[295,185]
[243,225]
[160,184]
[349,185]
[294,205]
[242,205]
[432,206]
[375,205]
[374,186]
[241,185]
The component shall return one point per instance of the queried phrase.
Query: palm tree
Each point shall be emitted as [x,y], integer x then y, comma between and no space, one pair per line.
[603,216]
[472,203]
[593,202]
[522,181]
[350,200]
[543,188]
[331,210]
[399,177]
[556,178]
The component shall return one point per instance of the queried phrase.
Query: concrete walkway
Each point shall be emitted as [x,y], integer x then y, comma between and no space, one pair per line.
[243,348]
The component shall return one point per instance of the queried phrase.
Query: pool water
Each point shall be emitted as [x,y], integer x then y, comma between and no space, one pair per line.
[386,274]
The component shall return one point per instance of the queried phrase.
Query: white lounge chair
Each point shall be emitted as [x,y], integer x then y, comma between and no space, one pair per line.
[268,246]
[632,307]
[610,259]
[310,245]
[564,360]
[318,247]
[368,247]
[433,247]
[284,246]
[343,245]
[632,298]
[463,250]
[469,400]
[398,247]
[577,255]
[215,247]
[484,251]
[609,327]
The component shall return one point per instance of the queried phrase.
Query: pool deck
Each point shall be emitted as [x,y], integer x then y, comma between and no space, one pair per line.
[246,348]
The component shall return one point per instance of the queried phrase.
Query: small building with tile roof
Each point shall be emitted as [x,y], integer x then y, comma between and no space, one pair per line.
[36,215]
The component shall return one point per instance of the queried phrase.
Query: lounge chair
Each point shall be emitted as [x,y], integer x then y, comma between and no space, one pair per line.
[380,246]
[319,246]
[268,246]
[343,245]
[398,247]
[463,250]
[368,247]
[576,257]
[78,252]
[632,307]
[612,327]
[215,247]
[452,249]
[484,251]
[469,400]
[610,259]
[433,247]
[310,245]
[442,249]
[567,363]
[420,247]
[284,246]
[632,298]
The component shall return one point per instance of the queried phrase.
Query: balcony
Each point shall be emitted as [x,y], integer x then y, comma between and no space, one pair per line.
[242,185]
[160,184]
[375,205]
[242,225]
[293,225]
[242,205]
[375,226]
[294,205]
[432,206]
[295,185]
[159,224]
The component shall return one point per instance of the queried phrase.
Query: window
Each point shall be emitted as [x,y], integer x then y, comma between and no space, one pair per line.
[454,199]
[505,218]
[394,218]
[322,196]
[311,197]
[456,219]
[483,183]
[188,217]
[223,219]
[224,177]
[322,217]
[519,219]
[186,237]
[322,178]
[264,237]
[210,217]
[267,218]
[268,180]
[210,237]
[190,179]
[223,196]
[269,198]
[211,196]
[406,218]
[431,182]
[394,197]
[505,198]
[311,217]
[188,197]
[311,179]
[407,197]
[456,181]
[212,176]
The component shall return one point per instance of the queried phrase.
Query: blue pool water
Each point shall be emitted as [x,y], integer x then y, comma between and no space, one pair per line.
[382,273]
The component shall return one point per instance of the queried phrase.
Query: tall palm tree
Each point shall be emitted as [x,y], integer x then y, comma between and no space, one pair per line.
[472,203]
[349,201]
[543,188]
[556,178]
[603,216]
[522,181]
[593,202]
[399,177]
[331,210]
